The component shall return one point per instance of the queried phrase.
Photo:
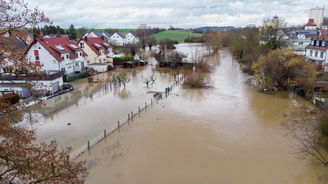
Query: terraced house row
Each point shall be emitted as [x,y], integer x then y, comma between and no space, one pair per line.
[56,57]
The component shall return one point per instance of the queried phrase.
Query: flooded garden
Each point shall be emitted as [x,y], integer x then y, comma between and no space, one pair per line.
[229,133]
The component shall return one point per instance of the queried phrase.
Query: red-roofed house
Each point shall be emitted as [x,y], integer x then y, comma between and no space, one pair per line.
[310,25]
[99,53]
[57,54]
[317,51]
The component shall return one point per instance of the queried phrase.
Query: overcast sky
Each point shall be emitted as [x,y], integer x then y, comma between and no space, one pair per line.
[179,13]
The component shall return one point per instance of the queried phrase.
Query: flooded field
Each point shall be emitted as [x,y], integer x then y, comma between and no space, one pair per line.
[94,107]
[227,134]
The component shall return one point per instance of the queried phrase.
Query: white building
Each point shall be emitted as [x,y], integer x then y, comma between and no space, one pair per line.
[317,51]
[56,54]
[131,38]
[300,39]
[28,84]
[118,39]
[311,25]
[317,14]
[325,23]
[100,34]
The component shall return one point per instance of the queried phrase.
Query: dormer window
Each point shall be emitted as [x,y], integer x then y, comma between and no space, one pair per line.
[67,56]
[82,45]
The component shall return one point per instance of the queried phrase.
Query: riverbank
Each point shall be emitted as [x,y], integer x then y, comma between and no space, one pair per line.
[227,134]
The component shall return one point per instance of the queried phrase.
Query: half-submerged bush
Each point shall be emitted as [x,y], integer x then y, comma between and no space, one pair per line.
[196,80]
[282,69]
[202,65]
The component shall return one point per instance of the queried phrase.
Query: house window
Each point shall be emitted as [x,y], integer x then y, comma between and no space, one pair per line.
[321,54]
[311,52]
[300,43]
[316,53]
[67,56]
[80,53]
[82,45]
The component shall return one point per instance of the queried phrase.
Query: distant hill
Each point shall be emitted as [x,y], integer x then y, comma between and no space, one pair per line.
[179,35]
[210,28]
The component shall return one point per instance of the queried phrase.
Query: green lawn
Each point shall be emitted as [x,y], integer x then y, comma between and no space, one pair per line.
[179,35]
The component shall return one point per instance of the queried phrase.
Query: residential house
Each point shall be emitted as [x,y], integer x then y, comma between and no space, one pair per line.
[300,39]
[118,39]
[131,38]
[57,54]
[24,83]
[317,51]
[13,48]
[310,25]
[325,23]
[27,84]
[100,34]
[99,53]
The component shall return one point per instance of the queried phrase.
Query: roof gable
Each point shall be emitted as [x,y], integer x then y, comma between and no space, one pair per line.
[97,44]
[58,46]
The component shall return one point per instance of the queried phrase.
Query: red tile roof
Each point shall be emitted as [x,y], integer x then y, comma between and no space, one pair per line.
[310,23]
[57,46]
[324,32]
[320,37]
[97,44]
[317,48]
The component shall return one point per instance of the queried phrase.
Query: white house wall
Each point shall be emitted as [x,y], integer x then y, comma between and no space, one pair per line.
[50,64]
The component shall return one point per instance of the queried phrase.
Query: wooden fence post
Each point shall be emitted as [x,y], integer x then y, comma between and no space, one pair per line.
[88,145]
[139,110]
[118,124]
[105,134]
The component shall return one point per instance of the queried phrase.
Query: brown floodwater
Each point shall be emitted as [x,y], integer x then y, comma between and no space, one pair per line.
[227,134]
[94,107]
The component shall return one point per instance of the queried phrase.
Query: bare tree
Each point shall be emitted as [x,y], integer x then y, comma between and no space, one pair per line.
[310,130]
[21,159]
[213,41]
[149,80]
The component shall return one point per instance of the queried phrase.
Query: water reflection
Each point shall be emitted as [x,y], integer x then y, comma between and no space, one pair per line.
[205,136]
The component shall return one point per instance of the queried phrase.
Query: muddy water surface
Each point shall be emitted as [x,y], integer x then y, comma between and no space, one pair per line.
[94,107]
[229,134]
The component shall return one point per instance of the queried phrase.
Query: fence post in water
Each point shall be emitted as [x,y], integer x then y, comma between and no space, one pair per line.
[118,124]
[139,110]
[105,134]
[88,145]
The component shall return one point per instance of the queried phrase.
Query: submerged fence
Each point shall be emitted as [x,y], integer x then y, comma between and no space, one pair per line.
[129,118]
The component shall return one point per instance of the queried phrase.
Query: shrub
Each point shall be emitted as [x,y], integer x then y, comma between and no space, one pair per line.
[196,80]
[203,66]
[69,78]
[124,58]
[282,69]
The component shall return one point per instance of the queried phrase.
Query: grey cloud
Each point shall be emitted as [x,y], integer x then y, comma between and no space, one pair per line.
[162,13]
